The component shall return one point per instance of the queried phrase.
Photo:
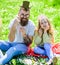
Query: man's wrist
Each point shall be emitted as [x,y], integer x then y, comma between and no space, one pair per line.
[24,35]
[27,40]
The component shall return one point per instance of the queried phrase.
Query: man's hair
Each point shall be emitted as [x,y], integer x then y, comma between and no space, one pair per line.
[24,9]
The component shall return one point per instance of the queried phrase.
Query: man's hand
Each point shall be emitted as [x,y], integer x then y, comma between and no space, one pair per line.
[27,39]
[16,22]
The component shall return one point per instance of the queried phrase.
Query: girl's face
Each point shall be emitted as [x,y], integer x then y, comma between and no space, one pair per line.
[44,24]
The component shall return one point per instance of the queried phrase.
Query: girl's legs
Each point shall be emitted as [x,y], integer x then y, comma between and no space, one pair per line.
[49,52]
[15,50]
[39,50]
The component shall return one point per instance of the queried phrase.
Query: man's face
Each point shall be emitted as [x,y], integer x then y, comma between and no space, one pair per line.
[24,16]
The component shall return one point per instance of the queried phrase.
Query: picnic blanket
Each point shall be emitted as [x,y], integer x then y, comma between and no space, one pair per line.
[55,48]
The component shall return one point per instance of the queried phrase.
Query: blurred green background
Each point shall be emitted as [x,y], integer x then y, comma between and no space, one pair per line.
[10,8]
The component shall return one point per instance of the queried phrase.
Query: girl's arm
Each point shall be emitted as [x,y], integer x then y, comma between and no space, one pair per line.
[47,38]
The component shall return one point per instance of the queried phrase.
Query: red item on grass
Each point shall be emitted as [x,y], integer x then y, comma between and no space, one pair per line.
[56,48]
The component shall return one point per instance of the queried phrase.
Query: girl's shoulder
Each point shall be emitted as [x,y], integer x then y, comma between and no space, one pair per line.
[36,31]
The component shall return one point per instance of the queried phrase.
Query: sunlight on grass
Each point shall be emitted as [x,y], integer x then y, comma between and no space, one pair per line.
[9,9]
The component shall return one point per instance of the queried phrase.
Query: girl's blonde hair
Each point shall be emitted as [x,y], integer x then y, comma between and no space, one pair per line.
[50,31]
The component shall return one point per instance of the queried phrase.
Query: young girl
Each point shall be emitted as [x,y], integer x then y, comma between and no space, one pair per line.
[43,38]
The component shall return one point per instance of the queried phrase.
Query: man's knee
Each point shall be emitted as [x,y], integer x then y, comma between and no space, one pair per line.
[1,42]
[4,45]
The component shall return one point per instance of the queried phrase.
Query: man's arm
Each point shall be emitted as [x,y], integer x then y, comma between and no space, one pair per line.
[11,35]
[12,32]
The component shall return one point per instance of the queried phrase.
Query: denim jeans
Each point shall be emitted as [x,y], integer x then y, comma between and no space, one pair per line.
[45,50]
[11,49]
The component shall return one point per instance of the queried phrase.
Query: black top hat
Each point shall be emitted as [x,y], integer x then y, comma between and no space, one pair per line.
[26,5]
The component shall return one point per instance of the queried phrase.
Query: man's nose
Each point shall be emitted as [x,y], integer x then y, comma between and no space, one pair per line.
[25,17]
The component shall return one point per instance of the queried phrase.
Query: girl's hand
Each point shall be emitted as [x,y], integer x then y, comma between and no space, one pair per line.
[40,32]
[46,28]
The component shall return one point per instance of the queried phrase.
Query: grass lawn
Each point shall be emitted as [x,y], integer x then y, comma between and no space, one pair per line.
[10,8]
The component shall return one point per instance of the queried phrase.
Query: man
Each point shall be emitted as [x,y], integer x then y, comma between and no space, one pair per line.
[20,36]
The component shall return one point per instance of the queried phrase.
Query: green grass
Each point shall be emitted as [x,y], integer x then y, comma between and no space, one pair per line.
[10,8]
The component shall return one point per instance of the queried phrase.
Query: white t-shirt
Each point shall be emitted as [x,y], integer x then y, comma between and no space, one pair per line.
[30,27]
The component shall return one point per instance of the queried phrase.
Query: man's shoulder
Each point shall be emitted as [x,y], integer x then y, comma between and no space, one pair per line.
[31,23]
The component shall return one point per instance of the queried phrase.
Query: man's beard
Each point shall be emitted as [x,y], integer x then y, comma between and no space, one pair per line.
[24,23]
